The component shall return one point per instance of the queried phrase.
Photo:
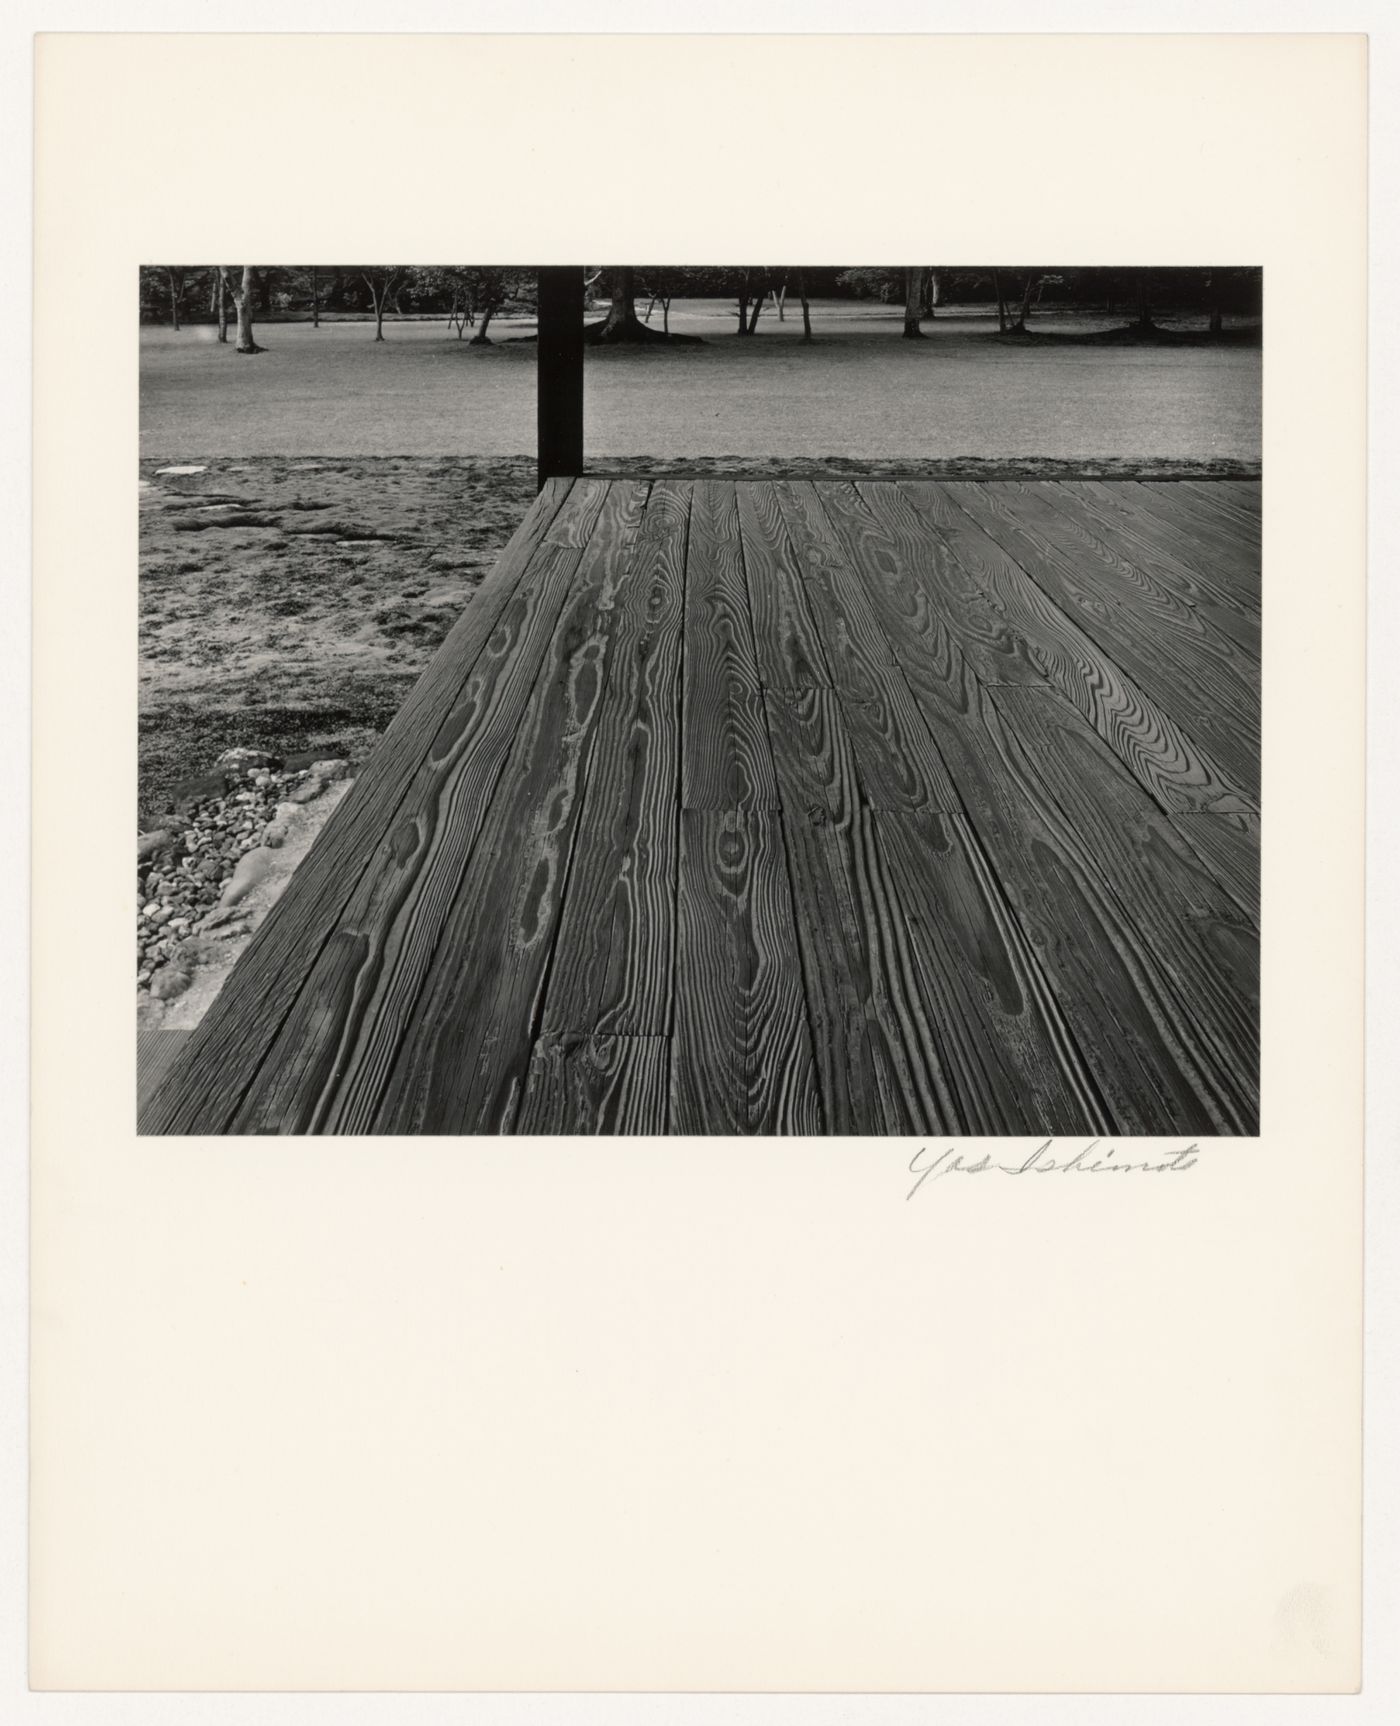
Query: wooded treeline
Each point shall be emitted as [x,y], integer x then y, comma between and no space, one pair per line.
[632,303]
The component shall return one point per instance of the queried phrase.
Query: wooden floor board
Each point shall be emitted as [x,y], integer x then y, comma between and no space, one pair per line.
[1165,511]
[725,758]
[1170,763]
[875,1070]
[1134,1026]
[892,807]
[155,1052]
[789,653]
[1208,499]
[1149,568]
[1187,671]
[591,1085]
[1245,496]
[612,972]
[1000,1039]
[1230,846]
[742,1052]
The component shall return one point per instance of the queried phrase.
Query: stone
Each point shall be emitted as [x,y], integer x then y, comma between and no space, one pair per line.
[245,758]
[252,867]
[200,949]
[150,844]
[169,982]
[329,770]
[308,790]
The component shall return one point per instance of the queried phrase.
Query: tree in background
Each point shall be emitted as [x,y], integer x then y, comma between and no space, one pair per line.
[1144,303]
[486,293]
[913,302]
[383,281]
[621,323]
[241,292]
[801,285]
[661,285]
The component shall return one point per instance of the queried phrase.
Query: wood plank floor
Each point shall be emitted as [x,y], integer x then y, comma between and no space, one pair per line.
[911,807]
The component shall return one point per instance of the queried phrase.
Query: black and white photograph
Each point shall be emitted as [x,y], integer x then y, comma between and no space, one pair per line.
[712,1089]
[736,699]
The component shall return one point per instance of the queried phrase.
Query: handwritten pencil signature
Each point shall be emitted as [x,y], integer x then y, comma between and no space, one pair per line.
[1092,1159]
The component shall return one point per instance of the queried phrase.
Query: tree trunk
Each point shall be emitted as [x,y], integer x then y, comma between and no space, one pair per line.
[666,316]
[174,301]
[213,292]
[1025,311]
[806,310]
[757,305]
[1144,317]
[744,305]
[622,323]
[779,295]
[243,304]
[377,304]
[1001,301]
[913,308]
[481,336]
[315,300]
[222,306]
[264,282]
[622,310]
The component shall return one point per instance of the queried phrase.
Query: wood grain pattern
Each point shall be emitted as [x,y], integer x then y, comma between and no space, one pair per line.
[1198,514]
[872,1078]
[1141,563]
[1230,846]
[1244,496]
[479,874]
[725,759]
[156,1051]
[789,654]
[1133,1018]
[1223,508]
[1003,1048]
[1166,760]
[612,973]
[592,1085]
[742,1053]
[1169,516]
[202,1091]
[787,807]
[885,545]
[1194,675]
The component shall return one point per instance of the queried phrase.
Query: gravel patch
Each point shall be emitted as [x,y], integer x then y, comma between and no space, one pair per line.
[197,873]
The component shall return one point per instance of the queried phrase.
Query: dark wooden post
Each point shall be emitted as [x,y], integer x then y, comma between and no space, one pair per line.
[560,402]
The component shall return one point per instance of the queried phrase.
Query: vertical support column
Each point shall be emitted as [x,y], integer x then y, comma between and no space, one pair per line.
[560,404]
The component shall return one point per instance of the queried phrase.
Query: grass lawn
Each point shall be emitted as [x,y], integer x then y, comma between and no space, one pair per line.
[857,390]
[353,493]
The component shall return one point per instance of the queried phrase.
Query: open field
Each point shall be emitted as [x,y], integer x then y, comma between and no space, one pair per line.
[858,389]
